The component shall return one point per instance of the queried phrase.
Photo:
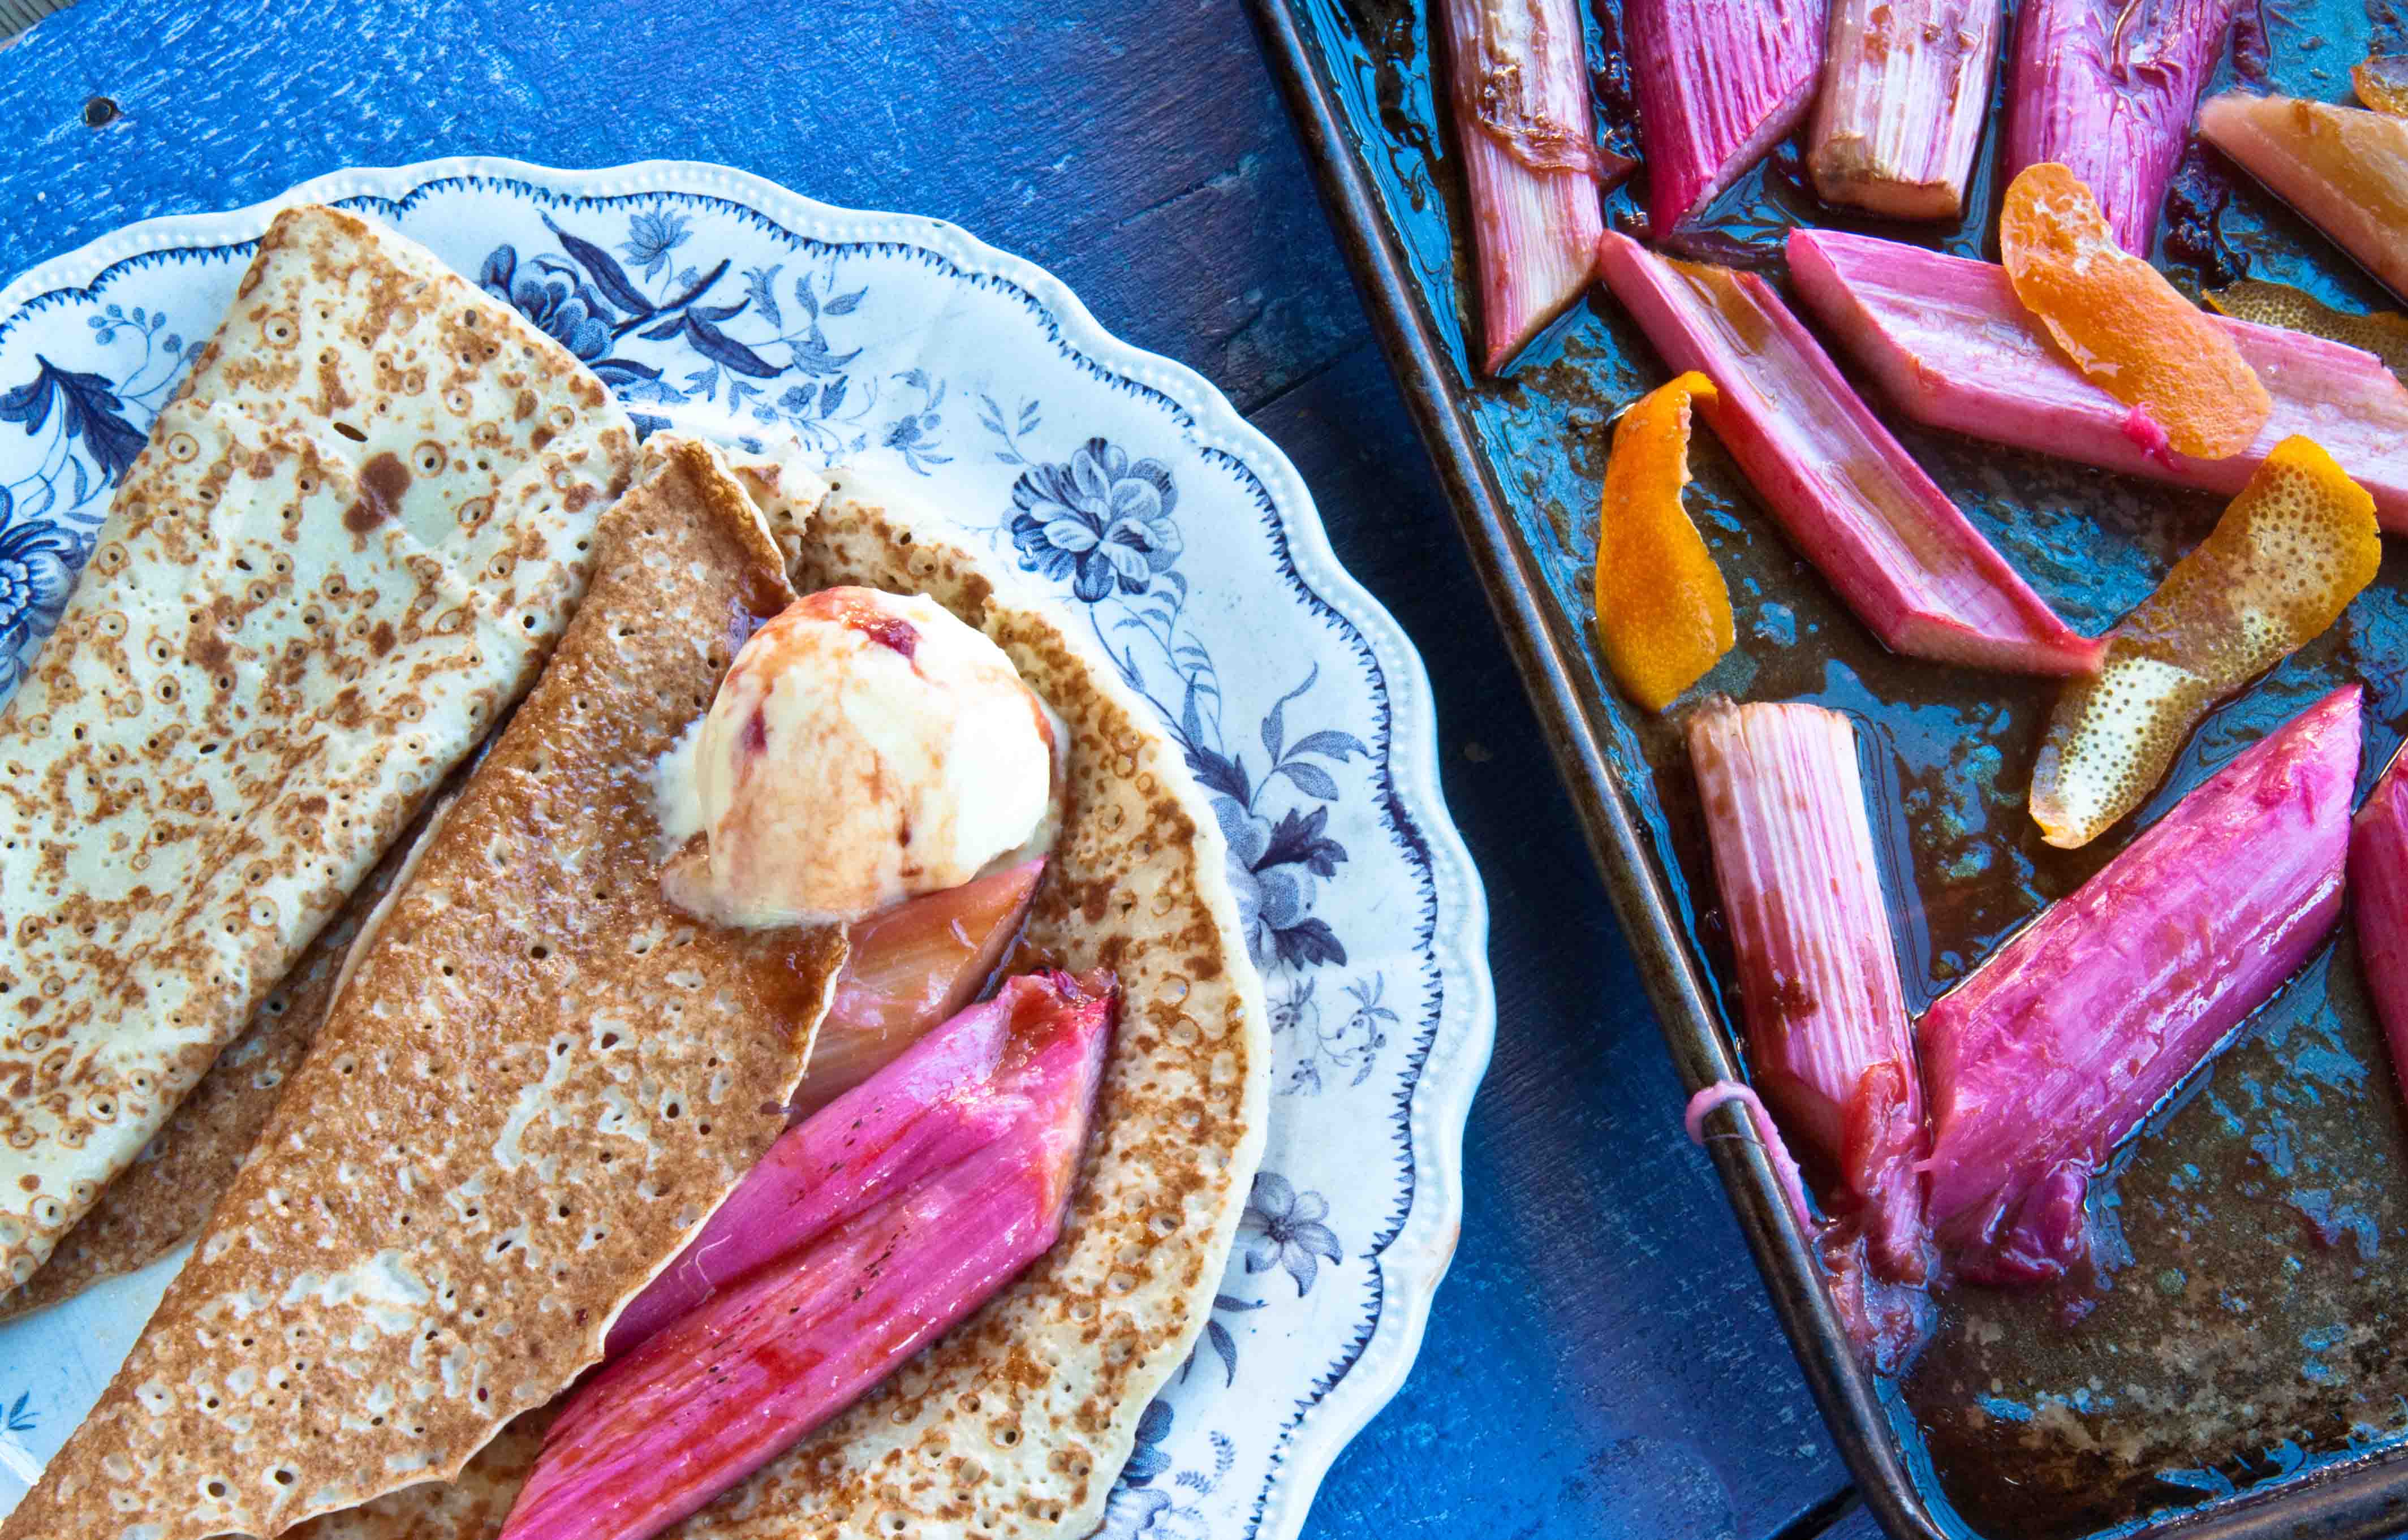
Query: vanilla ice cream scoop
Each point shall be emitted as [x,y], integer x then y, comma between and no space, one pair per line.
[863,748]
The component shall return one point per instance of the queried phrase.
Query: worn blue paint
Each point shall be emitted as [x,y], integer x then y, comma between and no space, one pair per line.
[1601,1362]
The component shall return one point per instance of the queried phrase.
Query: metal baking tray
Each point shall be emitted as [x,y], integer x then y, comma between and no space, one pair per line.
[2232,1375]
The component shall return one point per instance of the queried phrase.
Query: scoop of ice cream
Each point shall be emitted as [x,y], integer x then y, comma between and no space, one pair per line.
[863,748]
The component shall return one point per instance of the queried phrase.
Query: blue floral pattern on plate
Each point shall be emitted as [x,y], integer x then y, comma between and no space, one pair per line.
[1118,482]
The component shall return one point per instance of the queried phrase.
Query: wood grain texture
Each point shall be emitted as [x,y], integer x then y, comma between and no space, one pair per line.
[1601,1363]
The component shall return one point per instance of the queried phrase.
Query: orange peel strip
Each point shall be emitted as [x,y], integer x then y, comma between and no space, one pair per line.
[2381,80]
[2119,320]
[1663,610]
[2282,564]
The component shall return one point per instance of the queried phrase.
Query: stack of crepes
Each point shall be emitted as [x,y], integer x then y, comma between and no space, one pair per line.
[537,1078]
[352,539]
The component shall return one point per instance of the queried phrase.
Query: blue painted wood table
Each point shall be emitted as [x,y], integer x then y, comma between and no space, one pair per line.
[1602,1361]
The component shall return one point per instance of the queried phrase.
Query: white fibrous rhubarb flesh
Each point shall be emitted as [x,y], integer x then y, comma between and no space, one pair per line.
[1719,83]
[2378,897]
[1846,492]
[873,1268]
[1828,1045]
[1953,348]
[2344,168]
[2061,1044]
[1536,173]
[1906,85]
[2107,89]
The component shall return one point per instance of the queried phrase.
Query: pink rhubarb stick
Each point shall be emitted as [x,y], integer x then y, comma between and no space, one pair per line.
[2062,1043]
[2342,167]
[1720,82]
[930,1108]
[2378,896]
[2106,88]
[1849,496]
[718,1393]
[1955,349]
[912,969]
[1827,1041]
[1519,73]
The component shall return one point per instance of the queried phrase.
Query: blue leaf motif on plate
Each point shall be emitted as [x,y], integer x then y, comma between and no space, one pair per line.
[21,1420]
[90,412]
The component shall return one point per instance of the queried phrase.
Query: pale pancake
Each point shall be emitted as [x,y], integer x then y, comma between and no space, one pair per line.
[350,541]
[536,1085]
[1017,1423]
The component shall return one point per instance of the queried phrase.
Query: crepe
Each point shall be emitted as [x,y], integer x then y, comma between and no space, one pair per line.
[538,1083]
[346,548]
[1015,1424]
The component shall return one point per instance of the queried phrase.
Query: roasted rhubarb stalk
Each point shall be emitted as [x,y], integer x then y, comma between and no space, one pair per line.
[2074,1031]
[1906,84]
[1720,82]
[2106,88]
[923,1110]
[722,1390]
[2343,167]
[1530,159]
[1953,348]
[2378,898]
[912,969]
[1848,495]
[1827,1041]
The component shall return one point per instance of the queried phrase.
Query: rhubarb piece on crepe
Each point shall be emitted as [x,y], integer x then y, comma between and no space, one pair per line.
[2063,1042]
[1519,73]
[1847,494]
[2119,320]
[2344,168]
[1720,82]
[874,1270]
[1663,610]
[1828,1045]
[2378,896]
[1955,349]
[2107,88]
[912,969]
[930,1107]
[1906,84]
[2279,567]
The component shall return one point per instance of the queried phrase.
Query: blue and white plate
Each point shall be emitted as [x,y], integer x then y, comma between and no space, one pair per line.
[728,305]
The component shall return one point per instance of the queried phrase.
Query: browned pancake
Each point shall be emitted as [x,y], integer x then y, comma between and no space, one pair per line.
[349,542]
[537,1084]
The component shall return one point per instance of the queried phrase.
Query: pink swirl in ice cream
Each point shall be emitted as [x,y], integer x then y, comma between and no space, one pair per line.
[863,748]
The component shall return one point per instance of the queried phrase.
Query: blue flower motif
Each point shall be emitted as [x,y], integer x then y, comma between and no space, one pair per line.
[1147,1459]
[36,570]
[1271,897]
[650,239]
[578,321]
[1099,520]
[1282,1228]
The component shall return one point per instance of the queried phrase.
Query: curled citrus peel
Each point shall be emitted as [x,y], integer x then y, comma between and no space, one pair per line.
[2284,561]
[2382,333]
[2120,322]
[1663,610]
[2381,80]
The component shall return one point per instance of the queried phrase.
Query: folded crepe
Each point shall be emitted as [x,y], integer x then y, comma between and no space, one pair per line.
[537,1081]
[346,548]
